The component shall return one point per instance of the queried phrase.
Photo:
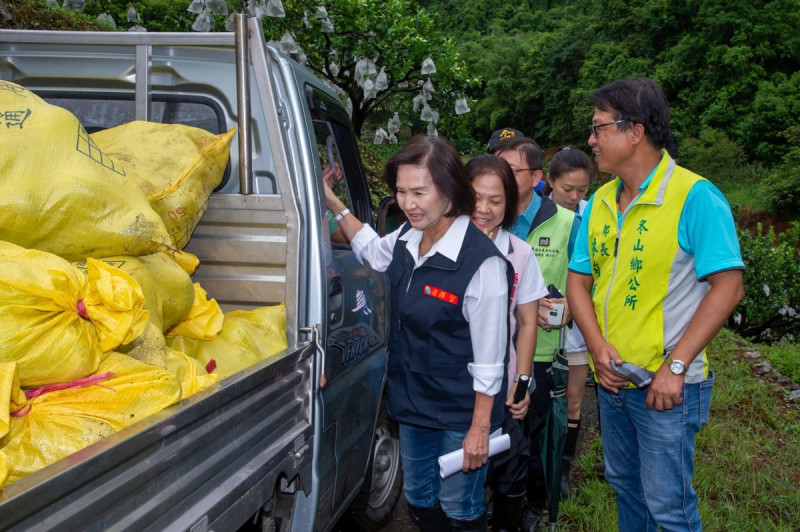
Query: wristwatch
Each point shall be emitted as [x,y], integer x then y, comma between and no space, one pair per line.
[675,366]
[341,215]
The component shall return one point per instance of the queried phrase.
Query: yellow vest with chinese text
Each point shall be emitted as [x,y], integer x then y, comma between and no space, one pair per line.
[645,287]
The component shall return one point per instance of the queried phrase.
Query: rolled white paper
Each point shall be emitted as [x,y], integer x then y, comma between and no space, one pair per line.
[452,462]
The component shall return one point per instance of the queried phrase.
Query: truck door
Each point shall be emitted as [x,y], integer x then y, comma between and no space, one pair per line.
[354,331]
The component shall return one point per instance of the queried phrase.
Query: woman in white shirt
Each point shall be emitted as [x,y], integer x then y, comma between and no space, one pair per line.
[446,379]
[495,211]
[567,184]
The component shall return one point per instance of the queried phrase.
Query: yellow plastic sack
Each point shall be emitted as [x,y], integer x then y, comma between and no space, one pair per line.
[168,296]
[59,422]
[218,356]
[11,395]
[203,321]
[177,167]
[149,347]
[60,193]
[4,468]
[55,321]
[12,398]
[270,322]
[185,260]
[247,337]
[193,376]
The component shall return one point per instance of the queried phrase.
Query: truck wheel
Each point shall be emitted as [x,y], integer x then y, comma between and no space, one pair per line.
[386,481]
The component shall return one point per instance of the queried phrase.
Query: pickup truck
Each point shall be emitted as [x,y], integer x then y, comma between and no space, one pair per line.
[292,443]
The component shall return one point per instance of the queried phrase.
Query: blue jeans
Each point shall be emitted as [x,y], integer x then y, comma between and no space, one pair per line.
[460,495]
[649,457]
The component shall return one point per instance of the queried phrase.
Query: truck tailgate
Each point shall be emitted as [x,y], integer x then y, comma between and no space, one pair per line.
[206,462]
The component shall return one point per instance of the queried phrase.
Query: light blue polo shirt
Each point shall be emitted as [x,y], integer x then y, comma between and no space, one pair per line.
[521,226]
[706,231]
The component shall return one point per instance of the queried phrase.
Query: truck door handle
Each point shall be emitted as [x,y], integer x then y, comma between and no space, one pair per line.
[335,302]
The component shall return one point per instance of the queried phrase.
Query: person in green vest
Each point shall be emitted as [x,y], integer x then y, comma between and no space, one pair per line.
[550,230]
[656,272]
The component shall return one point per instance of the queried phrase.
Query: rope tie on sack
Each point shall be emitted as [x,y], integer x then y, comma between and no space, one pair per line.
[80,307]
[79,383]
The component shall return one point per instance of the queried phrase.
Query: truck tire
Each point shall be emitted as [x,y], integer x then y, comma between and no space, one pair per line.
[386,479]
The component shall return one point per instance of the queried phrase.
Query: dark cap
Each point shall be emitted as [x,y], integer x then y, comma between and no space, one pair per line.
[503,134]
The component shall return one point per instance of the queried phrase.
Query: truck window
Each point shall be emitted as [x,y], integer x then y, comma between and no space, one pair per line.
[96,112]
[334,172]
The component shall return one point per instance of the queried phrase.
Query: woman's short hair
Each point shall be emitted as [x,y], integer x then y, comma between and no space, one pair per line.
[492,164]
[444,164]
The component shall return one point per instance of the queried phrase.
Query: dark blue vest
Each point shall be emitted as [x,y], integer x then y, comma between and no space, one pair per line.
[429,344]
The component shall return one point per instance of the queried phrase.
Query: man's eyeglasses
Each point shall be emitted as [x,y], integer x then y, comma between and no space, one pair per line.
[518,170]
[594,128]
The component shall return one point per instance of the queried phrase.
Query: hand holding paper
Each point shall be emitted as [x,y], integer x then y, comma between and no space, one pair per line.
[451,462]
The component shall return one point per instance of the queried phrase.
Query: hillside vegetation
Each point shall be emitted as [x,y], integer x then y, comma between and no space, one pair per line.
[729,70]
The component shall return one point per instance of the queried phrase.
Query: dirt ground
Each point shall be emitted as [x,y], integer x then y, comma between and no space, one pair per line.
[400,521]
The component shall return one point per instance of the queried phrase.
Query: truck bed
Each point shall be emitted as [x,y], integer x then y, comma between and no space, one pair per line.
[204,463]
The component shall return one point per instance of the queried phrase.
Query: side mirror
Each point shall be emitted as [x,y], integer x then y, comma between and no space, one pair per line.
[390,216]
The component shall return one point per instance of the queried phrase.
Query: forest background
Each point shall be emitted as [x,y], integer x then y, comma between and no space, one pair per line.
[729,69]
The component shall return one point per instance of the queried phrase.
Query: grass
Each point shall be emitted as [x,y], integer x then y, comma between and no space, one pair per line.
[593,507]
[743,193]
[784,358]
[742,187]
[747,464]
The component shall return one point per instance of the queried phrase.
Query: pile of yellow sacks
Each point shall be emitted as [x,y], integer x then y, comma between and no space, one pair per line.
[100,323]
